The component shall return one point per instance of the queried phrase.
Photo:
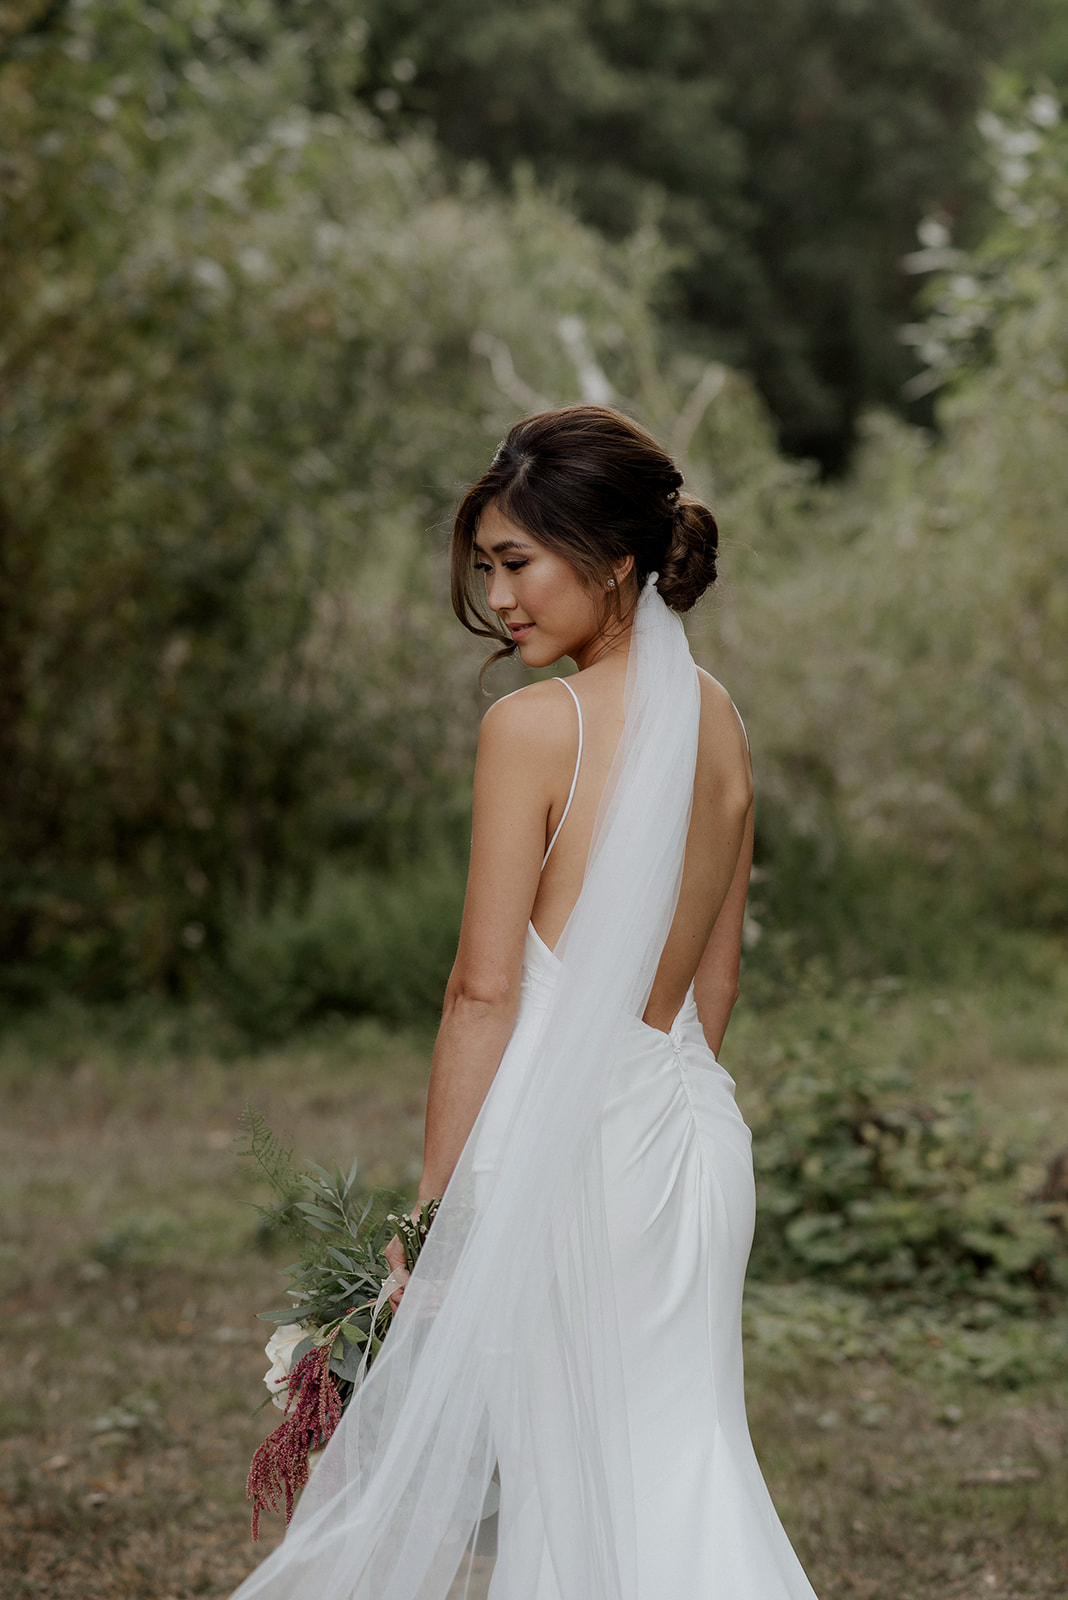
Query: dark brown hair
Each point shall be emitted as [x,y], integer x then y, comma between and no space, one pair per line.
[593,486]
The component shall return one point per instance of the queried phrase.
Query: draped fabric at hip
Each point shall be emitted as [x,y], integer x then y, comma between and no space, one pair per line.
[512,1309]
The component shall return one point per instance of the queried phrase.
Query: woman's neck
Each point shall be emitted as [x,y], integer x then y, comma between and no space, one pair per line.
[609,642]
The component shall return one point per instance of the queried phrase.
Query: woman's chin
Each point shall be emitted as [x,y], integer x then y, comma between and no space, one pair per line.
[537,655]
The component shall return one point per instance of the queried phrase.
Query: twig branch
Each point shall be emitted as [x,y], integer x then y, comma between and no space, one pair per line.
[708,387]
[505,376]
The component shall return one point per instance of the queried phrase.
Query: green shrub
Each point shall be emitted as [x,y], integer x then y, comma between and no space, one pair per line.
[896,643]
[957,1342]
[861,913]
[864,1187]
[138,1241]
[248,351]
[362,942]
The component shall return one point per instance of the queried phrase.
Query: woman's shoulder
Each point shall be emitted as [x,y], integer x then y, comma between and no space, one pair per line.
[717,707]
[723,737]
[712,691]
[540,718]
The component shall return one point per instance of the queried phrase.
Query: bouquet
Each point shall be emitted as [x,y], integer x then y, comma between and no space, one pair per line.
[339,1311]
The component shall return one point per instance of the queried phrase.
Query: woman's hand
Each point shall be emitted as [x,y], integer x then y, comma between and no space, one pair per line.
[394,1254]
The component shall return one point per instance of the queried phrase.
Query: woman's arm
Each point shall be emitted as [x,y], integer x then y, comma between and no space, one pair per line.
[715,983]
[524,747]
[520,746]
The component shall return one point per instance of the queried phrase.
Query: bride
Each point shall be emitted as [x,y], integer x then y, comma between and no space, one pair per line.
[572,1326]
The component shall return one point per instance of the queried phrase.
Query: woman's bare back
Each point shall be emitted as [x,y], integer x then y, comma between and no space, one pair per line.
[715,871]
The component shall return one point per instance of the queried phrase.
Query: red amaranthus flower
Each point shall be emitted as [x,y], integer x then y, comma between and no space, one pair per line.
[313,1410]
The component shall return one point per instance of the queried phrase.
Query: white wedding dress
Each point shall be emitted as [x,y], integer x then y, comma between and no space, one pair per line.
[575,1318]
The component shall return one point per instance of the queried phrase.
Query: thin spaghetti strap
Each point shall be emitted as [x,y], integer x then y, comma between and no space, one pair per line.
[741,724]
[574,778]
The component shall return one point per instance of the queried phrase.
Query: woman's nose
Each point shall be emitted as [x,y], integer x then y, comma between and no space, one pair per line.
[499,594]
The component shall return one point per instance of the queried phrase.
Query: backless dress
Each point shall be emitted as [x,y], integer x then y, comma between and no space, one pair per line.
[678,1174]
[573,1326]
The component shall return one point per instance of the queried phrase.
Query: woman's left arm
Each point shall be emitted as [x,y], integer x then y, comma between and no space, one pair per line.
[511,802]
[521,745]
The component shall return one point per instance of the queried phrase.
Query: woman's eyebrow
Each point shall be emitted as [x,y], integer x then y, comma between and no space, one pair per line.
[502,545]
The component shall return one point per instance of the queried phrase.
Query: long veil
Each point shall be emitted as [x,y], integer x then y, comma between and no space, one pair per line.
[511,1312]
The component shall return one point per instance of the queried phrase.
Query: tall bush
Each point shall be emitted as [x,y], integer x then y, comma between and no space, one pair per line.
[865,1186]
[904,674]
[790,147]
[248,351]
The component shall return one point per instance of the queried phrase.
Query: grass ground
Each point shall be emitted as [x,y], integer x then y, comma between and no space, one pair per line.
[912,1457]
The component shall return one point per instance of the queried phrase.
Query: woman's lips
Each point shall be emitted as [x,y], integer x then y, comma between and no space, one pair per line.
[520,630]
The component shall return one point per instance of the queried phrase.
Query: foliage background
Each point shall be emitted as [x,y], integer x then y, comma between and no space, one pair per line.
[786,151]
[263,314]
[272,292]
[274,279]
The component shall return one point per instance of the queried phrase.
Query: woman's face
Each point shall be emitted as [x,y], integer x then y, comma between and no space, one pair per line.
[547,607]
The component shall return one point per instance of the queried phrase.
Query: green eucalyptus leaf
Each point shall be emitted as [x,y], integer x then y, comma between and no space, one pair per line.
[346,1363]
[320,1172]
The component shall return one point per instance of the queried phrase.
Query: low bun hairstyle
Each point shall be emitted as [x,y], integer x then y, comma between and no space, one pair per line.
[689,566]
[595,487]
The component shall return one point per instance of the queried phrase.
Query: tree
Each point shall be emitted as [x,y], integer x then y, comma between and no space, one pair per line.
[913,776]
[788,147]
[248,350]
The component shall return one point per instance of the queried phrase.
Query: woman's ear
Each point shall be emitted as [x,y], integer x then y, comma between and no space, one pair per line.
[622,569]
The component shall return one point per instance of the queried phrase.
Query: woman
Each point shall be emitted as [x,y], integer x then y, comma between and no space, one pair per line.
[574,1319]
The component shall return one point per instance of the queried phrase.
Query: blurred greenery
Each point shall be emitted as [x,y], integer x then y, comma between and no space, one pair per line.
[275,276]
[914,773]
[862,1184]
[260,319]
[787,148]
[238,385]
[361,942]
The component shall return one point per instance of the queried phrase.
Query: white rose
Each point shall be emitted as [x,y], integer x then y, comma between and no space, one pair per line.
[279,1352]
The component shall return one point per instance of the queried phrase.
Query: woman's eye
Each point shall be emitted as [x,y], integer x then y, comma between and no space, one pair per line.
[509,566]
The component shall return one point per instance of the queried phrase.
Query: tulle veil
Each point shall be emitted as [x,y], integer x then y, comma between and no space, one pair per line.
[511,1311]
